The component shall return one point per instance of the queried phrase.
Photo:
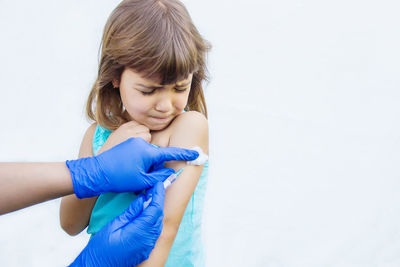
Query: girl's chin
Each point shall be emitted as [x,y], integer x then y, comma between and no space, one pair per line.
[157,124]
[157,127]
[153,124]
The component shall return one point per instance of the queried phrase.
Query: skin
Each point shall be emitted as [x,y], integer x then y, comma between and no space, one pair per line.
[26,184]
[149,103]
[156,113]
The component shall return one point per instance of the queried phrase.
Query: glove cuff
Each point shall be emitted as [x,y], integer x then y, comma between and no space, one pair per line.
[84,174]
[84,260]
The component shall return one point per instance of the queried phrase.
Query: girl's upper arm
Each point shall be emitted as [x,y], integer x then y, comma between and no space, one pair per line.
[86,149]
[74,212]
[188,130]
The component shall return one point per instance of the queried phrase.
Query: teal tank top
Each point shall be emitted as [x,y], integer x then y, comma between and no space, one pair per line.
[187,249]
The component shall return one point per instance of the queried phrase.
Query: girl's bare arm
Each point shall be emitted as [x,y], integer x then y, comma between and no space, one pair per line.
[74,212]
[189,129]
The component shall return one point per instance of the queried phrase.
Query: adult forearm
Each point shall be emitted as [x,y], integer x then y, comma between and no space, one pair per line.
[120,169]
[26,184]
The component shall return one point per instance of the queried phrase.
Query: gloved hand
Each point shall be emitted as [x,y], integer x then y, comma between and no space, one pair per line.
[131,166]
[129,238]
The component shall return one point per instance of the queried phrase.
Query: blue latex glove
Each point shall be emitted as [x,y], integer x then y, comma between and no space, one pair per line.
[129,238]
[131,166]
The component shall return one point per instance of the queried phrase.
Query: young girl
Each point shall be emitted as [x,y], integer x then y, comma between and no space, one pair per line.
[151,70]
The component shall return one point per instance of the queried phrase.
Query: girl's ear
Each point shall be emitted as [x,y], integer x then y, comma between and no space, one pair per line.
[115,83]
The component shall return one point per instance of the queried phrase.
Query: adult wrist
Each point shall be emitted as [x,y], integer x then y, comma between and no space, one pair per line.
[85,175]
[83,261]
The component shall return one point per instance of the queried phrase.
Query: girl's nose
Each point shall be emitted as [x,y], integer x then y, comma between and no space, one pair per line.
[164,104]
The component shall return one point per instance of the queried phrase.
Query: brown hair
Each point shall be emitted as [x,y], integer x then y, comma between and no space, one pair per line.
[153,37]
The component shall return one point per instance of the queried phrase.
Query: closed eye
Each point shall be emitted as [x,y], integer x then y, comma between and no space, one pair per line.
[147,92]
[180,90]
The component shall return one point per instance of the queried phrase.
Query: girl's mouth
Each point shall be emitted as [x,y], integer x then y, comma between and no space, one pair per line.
[160,119]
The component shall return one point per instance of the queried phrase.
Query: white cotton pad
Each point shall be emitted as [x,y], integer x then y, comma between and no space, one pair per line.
[200,160]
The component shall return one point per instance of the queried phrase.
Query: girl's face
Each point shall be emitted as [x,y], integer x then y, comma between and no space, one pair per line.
[149,103]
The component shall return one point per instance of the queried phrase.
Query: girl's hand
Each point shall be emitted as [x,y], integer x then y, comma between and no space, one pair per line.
[124,132]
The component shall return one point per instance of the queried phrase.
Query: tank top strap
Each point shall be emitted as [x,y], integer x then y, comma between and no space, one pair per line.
[100,136]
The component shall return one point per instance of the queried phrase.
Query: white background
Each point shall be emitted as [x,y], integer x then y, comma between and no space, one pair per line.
[304,108]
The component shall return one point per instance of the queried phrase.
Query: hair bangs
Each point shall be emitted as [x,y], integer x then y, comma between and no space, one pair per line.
[172,53]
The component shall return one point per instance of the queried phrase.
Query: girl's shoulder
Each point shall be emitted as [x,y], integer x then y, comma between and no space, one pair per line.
[94,138]
[190,118]
[189,128]
[86,145]
[190,123]
[90,131]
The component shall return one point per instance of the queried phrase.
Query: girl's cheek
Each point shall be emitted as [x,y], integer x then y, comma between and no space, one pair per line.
[181,103]
[143,106]
[135,108]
